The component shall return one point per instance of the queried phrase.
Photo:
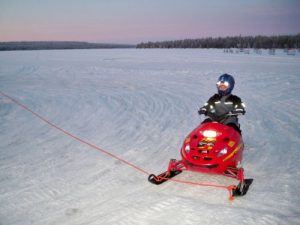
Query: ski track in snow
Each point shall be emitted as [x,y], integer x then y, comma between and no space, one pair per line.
[139,105]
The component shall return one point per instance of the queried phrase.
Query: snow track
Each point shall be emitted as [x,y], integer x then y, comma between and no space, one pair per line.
[140,104]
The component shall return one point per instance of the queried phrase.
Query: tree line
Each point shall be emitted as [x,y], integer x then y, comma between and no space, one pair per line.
[47,45]
[256,42]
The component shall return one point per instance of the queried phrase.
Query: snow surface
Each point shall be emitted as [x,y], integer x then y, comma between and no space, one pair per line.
[139,104]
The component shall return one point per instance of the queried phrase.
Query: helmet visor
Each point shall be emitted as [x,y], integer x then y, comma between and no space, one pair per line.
[223,85]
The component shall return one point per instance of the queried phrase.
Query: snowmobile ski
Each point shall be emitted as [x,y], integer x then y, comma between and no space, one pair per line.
[163,177]
[242,188]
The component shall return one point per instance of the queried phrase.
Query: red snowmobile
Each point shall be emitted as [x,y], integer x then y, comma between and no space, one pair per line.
[210,148]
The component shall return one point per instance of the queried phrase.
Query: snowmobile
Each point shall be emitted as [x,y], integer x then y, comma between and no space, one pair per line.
[212,148]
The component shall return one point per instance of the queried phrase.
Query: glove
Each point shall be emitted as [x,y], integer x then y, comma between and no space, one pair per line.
[202,111]
[238,111]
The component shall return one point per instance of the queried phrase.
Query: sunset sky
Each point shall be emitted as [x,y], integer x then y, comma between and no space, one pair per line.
[135,21]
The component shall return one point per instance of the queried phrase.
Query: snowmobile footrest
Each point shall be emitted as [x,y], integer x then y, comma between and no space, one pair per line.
[242,188]
[163,177]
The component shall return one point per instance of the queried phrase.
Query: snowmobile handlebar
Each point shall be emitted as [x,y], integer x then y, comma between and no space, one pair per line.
[214,117]
[231,113]
[235,112]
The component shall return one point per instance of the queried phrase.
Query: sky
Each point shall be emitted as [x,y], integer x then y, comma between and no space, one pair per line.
[135,21]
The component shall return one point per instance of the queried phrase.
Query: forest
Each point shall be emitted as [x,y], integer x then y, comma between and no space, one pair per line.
[47,45]
[256,42]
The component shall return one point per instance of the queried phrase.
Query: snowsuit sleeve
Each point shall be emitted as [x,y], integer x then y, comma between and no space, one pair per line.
[239,106]
[209,105]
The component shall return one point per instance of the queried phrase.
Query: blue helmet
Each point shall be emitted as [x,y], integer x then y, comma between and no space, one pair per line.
[225,84]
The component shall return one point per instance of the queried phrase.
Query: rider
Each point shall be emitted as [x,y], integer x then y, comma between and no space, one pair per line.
[224,107]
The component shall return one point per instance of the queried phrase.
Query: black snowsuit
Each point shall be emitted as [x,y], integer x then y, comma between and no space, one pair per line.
[218,107]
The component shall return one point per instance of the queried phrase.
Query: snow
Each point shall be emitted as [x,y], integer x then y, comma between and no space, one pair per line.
[139,104]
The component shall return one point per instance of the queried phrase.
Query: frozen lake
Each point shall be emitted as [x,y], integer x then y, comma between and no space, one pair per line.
[139,104]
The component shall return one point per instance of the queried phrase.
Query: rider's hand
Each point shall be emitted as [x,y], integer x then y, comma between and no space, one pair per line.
[202,111]
[238,111]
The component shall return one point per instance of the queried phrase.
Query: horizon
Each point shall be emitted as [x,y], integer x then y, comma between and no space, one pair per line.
[135,21]
[114,43]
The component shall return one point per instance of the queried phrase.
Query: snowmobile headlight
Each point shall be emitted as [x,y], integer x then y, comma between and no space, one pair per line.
[187,148]
[222,152]
[209,133]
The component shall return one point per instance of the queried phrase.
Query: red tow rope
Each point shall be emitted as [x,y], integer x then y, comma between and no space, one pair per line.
[228,188]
